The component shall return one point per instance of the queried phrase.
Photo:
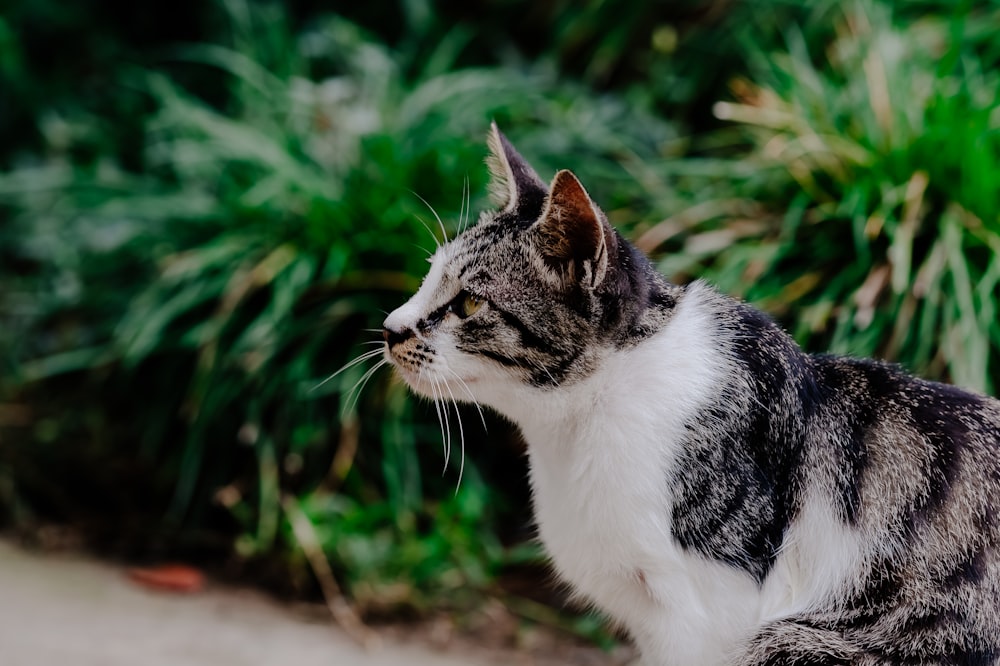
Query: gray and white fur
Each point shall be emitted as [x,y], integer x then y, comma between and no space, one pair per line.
[723,496]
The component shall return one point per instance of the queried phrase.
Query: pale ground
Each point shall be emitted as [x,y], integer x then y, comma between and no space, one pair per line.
[69,609]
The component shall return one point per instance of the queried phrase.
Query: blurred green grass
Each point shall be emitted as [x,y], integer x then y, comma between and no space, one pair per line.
[184,265]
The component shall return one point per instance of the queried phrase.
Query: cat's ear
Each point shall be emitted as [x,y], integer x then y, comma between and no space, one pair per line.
[511,177]
[571,232]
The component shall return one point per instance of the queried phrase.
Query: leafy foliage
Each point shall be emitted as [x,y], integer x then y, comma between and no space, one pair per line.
[208,300]
[876,160]
[183,270]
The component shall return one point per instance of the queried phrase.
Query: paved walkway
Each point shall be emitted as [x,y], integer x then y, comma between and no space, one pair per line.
[57,610]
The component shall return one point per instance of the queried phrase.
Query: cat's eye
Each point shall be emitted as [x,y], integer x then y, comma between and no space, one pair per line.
[467,305]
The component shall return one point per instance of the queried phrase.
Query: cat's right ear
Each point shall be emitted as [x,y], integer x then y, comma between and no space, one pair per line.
[511,178]
[573,234]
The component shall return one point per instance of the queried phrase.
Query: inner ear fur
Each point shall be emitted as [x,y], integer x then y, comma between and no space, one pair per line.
[511,177]
[572,231]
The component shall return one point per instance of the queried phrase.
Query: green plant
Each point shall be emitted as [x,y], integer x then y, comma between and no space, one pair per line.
[864,212]
[175,298]
[208,300]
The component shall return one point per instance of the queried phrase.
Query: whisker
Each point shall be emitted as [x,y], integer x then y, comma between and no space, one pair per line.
[426,226]
[461,435]
[447,426]
[362,382]
[472,398]
[437,410]
[444,445]
[422,248]
[466,204]
[444,232]
[364,378]
[350,364]
[361,357]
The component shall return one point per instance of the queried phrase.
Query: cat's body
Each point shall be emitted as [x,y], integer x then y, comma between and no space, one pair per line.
[725,497]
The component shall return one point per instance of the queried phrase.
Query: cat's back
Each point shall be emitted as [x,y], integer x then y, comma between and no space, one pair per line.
[912,469]
[875,495]
[915,458]
[906,445]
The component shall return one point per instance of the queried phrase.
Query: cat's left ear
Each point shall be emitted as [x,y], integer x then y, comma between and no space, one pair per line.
[573,232]
[512,180]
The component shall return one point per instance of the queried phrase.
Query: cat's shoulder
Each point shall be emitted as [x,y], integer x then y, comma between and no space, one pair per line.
[757,341]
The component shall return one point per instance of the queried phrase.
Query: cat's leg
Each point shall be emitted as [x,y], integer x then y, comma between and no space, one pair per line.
[804,642]
[807,641]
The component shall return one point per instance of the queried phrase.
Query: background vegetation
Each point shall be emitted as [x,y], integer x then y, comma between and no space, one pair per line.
[205,210]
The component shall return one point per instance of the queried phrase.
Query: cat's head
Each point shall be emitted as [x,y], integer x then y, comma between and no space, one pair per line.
[531,297]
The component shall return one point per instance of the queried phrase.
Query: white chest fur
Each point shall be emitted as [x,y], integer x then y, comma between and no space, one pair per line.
[602,455]
[601,496]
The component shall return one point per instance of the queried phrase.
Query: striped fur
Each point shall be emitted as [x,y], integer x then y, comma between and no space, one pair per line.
[725,497]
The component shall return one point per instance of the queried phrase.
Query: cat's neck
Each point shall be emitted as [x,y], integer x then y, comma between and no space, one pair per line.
[648,389]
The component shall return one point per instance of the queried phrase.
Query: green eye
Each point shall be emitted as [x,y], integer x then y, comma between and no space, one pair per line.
[470,305]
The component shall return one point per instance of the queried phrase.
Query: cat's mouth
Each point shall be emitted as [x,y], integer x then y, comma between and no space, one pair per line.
[415,374]
[414,378]
[424,383]
[422,378]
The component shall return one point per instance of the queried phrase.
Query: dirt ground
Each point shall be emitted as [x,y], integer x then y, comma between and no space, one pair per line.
[58,609]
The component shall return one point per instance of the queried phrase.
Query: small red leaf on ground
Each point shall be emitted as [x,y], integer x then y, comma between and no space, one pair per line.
[169,577]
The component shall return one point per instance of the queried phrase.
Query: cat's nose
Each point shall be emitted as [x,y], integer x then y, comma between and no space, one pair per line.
[394,337]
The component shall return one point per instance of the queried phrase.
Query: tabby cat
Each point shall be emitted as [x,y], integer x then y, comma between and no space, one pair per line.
[723,496]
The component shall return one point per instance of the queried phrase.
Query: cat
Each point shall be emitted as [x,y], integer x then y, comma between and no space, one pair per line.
[723,496]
